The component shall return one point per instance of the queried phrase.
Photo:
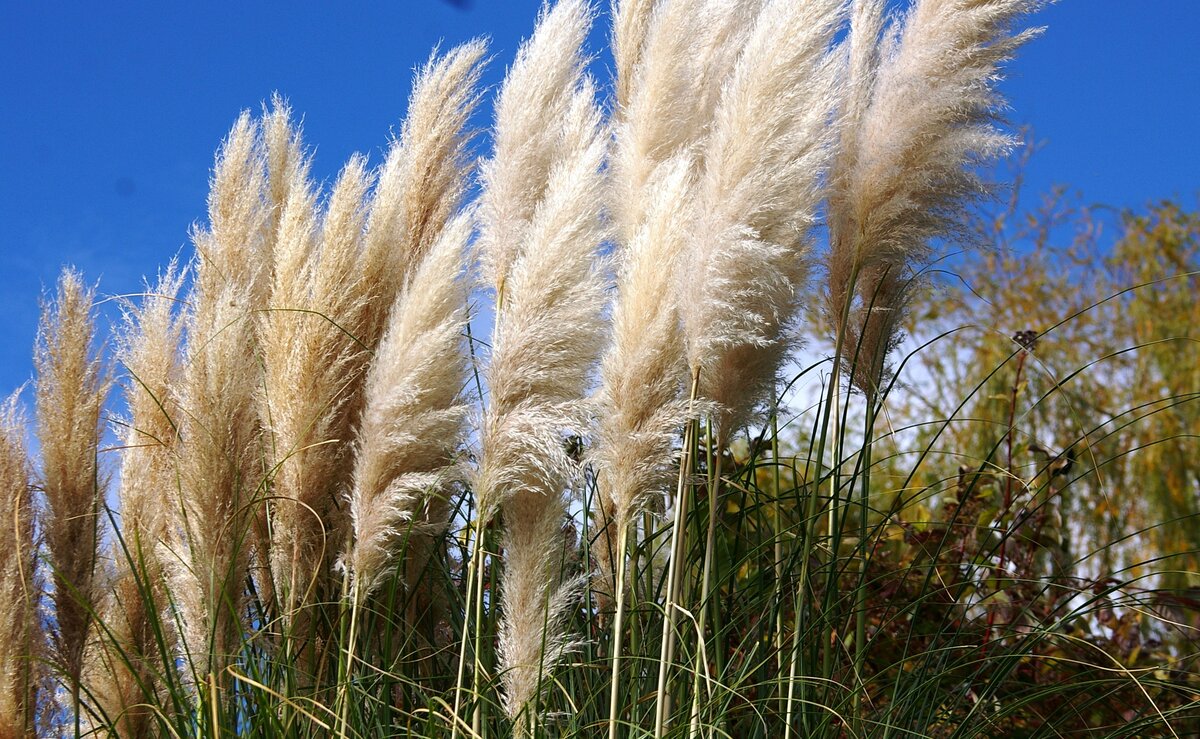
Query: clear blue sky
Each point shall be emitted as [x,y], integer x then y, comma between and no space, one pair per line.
[110,113]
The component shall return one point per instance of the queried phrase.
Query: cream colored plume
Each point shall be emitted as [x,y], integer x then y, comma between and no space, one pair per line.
[71,386]
[667,91]
[672,59]
[532,130]
[286,161]
[332,293]
[540,231]
[756,202]
[220,457]
[639,406]
[413,418]
[424,178]
[122,664]
[287,167]
[314,364]
[631,24]
[148,349]
[920,113]
[21,648]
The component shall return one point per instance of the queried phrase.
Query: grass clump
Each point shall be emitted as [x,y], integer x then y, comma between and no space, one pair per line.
[642,505]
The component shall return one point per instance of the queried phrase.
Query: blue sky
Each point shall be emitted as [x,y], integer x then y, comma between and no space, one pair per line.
[111,113]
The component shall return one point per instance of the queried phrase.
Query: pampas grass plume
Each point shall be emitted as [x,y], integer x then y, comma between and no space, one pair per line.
[532,129]
[413,421]
[122,662]
[424,177]
[20,633]
[207,555]
[148,349]
[920,112]
[668,90]
[314,364]
[631,23]
[639,404]
[757,200]
[540,231]
[70,388]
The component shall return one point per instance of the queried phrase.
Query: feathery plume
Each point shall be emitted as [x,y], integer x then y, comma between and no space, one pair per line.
[328,308]
[863,42]
[531,132]
[631,23]
[287,164]
[122,669]
[148,348]
[540,231]
[219,459]
[20,637]
[70,389]
[287,167]
[313,362]
[921,109]
[413,420]
[756,203]
[331,293]
[672,58]
[669,95]
[422,185]
[423,179]
[639,406]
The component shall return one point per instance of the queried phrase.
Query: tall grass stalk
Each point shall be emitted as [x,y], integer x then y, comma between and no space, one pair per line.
[614,699]
[680,504]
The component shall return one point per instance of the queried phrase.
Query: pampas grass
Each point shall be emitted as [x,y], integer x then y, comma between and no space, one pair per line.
[149,352]
[639,406]
[286,162]
[756,202]
[331,298]
[125,654]
[672,62]
[70,390]
[540,232]
[220,460]
[671,59]
[312,354]
[920,114]
[424,177]
[536,116]
[421,186]
[21,650]
[631,24]
[326,505]
[287,165]
[414,419]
